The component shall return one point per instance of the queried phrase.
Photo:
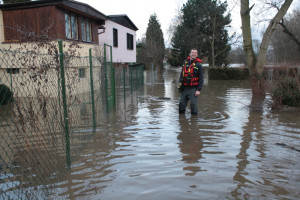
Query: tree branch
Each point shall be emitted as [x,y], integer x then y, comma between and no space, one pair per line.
[248,10]
[290,34]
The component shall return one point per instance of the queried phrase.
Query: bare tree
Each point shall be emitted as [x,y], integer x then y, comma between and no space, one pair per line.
[285,42]
[256,64]
[291,26]
[237,55]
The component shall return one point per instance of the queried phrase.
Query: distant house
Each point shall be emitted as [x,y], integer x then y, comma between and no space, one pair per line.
[120,33]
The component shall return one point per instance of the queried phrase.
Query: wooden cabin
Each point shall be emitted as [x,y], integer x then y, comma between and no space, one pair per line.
[55,19]
[24,27]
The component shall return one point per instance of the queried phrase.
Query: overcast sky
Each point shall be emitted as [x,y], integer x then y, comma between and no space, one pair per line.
[139,12]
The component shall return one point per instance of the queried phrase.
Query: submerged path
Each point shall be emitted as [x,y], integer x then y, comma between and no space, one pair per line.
[146,150]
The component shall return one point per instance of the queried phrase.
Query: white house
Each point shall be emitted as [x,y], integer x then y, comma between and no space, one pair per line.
[120,33]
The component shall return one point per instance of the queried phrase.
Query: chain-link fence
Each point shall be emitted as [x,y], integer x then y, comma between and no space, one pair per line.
[50,108]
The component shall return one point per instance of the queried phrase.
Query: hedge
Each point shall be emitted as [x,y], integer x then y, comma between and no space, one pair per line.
[228,73]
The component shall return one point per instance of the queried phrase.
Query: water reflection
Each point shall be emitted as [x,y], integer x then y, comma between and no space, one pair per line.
[146,150]
[190,144]
[251,129]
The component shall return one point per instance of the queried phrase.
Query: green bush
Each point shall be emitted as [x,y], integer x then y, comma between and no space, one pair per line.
[228,73]
[174,61]
[287,92]
[5,94]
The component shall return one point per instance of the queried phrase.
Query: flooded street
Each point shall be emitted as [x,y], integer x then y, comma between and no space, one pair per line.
[146,150]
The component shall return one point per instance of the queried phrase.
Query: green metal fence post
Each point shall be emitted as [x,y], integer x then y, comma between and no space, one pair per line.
[109,79]
[142,71]
[64,98]
[130,70]
[113,78]
[136,78]
[92,90]
[141,75]
[105,78]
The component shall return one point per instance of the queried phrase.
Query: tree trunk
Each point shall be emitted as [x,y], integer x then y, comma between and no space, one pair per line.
[247,37]
[258,92]
[213,58]
[256,66]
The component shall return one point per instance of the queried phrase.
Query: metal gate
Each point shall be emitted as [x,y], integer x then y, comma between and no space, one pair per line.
[109,78]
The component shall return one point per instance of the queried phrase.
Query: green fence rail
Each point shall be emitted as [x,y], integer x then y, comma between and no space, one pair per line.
[50,108]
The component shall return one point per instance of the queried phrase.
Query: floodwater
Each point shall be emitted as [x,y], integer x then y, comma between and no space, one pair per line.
[146,150]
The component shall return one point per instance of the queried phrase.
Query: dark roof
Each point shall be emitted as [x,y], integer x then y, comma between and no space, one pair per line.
[123,20]
[74,6]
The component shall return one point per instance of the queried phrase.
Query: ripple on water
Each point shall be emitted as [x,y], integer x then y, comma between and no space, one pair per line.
[227,152]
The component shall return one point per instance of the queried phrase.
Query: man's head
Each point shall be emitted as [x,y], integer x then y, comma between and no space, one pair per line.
[194,53]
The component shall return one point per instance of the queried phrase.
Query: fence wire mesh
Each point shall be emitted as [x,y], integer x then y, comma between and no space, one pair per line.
[42,128]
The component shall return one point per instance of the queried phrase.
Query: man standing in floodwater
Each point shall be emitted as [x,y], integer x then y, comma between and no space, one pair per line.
[190,82]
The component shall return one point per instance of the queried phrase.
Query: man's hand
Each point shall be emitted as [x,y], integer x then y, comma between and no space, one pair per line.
[197,93]
[179,87]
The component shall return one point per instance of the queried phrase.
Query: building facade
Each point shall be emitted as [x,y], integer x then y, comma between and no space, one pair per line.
[120,34]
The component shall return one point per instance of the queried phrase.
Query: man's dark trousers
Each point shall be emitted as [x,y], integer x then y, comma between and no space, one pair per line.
[186,95]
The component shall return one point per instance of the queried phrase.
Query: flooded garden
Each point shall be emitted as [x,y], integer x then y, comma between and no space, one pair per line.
[145,149]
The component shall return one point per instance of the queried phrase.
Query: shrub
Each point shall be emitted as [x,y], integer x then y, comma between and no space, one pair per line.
[174,61]
[5,94]
[287,92]
[228,73]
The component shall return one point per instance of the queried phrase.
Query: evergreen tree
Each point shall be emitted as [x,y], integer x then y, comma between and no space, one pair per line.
[155,44]
[203,27]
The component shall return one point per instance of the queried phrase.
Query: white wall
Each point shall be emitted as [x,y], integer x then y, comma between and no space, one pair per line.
[120,54]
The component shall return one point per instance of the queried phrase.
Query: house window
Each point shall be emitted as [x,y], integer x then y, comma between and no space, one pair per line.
[115,37]
[81,73]
[129,41]
[86,30]
[71,26]
[13,70]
